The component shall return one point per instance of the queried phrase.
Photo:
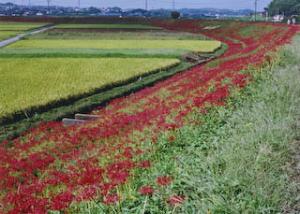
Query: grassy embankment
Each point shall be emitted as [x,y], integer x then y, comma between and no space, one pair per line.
[235,160]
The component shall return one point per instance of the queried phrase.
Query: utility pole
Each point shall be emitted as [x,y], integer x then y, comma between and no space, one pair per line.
[255,9]
[146,4]
[48,4]
[173,5]
[79,4]
[29,3]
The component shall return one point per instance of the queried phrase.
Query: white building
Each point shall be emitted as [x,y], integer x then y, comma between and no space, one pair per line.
[278,18]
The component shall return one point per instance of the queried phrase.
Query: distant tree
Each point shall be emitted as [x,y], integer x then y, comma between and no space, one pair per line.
[286,7]
[175,15]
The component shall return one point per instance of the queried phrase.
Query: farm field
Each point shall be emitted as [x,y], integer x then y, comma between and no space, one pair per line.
[38,82]
[107,26]
[122,35]
[10,29]
[91,52]
[185,45]
[212,137]
[8,34]
[18,26]
[44,66]
[114,38]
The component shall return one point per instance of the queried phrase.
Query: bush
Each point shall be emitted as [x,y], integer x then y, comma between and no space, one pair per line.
[175,14]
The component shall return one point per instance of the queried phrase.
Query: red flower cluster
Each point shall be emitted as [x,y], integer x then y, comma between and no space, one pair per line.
[163,180]
[52,166]
[146,190]
[176,200]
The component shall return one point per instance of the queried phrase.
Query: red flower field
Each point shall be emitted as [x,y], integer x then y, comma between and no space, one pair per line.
[52,166]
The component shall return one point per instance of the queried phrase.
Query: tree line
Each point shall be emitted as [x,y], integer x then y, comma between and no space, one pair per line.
[286,7]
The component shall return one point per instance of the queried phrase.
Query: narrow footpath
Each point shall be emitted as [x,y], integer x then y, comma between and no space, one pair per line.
[18,37]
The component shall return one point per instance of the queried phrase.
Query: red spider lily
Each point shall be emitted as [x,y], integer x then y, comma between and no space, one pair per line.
[111,199]
[146,190]
[176,200]
[145,164]
[164,180]
[62,201]
[87,193]
[92,160]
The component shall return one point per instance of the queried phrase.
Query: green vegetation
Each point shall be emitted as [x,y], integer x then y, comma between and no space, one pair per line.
[286,7]
[107,26]
[188,45]
[11,29]
[235,160]
[116,51]
[85,53]
[30,109]
[119,35]
[28,83]
[252,31]
[8,34]
[19,123]
[18,26]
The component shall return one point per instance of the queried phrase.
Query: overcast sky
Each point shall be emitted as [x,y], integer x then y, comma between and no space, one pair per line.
[230,4]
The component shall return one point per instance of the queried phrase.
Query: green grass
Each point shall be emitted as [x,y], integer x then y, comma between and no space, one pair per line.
[234,161]
[18,26]
[188,45]
[27,83]
[126,44]
[106,26]
[7,34]
[253,30]
[86,53]
[122,35]
[11,29]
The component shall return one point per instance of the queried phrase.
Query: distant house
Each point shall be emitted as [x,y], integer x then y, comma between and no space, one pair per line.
[278,18]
